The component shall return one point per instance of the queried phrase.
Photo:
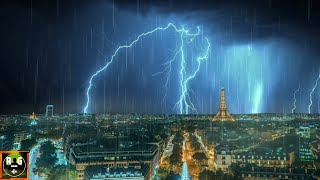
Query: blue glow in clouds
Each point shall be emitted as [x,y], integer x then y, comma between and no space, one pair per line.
[244,72]
[257,98]
[184,104]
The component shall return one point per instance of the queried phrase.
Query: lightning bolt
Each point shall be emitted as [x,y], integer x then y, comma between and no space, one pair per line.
[295,99]
[311,93]
[168,68]
[184,103]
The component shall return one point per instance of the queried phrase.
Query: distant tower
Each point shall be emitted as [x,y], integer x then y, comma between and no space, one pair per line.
[223,113]
[33,116]
[33,119]
[49,110]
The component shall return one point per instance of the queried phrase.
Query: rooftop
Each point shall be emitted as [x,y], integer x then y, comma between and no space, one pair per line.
[256,171]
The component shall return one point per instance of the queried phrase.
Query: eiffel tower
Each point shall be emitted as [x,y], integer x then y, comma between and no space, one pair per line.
[223,113]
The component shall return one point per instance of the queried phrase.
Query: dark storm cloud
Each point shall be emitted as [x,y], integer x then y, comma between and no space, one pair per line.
[299,12]
[263,17]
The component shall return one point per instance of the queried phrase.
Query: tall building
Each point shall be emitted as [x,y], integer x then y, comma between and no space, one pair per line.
[49,110]
[127,152]
[222,157]
[223,113]
[306,137]
[83,157]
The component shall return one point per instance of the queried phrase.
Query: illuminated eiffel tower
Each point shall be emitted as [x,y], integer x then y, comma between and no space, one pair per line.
[223,113]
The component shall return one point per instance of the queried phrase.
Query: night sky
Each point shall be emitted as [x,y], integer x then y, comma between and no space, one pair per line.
[261,52]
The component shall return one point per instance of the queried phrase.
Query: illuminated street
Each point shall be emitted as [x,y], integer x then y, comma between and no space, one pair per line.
[193,168]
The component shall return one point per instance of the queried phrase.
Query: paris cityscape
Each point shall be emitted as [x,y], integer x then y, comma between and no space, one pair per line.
[140,146]
[160,90]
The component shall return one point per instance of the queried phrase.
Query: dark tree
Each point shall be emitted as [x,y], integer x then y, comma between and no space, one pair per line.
[219,174]
[224,176]
[47,159]
[58,172]
[176,157]
[162,173]
[191,129]
[207,175]
[200,156]
[194,142]
[172,176]
[28,144]
[178,138]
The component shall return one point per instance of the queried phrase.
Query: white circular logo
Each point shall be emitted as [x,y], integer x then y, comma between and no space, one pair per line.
[14,165]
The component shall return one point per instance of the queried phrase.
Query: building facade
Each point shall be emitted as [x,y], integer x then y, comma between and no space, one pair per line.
[222,158]
[252,171]
[264,157]
[83,157]
[306,136]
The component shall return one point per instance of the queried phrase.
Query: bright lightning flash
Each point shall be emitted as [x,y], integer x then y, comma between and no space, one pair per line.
[295,99]
[184,104]
[311,93]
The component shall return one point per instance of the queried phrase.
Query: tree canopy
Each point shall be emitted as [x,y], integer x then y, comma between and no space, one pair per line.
[219,175]
[200,156]
[206,175]
[61,172]
[47,159]
[27,144]
[178,138]
[176,156]
[162,173]
[194,142]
